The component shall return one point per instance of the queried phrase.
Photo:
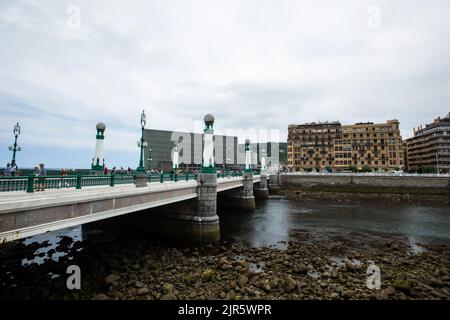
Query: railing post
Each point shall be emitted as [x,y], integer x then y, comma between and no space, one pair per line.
[30,187]
[162,178]
[175,177]
[187,176]
[111,183]
[78,181]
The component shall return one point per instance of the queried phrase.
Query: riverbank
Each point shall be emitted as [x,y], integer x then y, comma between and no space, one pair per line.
[329,265]
[346,195]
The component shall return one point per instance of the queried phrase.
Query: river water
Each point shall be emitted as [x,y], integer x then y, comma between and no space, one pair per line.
[277,220]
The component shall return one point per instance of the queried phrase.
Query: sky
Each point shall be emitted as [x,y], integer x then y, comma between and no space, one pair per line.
[256,65]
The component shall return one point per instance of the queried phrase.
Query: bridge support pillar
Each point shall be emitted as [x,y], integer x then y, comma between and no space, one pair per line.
[204,224]
[247,199]
[195,220]
[262,192]
[274,183]
[242,198]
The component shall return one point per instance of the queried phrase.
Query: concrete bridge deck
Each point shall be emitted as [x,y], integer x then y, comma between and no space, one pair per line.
[25,214]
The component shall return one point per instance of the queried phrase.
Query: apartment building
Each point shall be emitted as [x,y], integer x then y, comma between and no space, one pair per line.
[336,147]
[429,147]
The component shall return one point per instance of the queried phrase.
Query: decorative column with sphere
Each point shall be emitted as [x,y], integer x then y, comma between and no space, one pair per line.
[241,198]
[261,191]
[98,162]
[208,165]
[206,228]
[196,220]
[247,198]
[175,157]
[248,157]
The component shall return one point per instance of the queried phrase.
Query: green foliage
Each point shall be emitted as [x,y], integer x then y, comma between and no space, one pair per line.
[429,169]
[353,168]
[366,168]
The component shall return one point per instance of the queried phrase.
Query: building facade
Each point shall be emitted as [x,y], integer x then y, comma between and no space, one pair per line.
[334,147]
[311,145]
[429,149]
[274,152]
[159,152]
[228,154]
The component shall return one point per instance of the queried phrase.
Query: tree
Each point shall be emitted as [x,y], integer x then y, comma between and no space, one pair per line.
[366,168]
[429,169]
[352,168]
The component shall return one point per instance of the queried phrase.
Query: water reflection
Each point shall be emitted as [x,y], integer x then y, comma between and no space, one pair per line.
[277,220]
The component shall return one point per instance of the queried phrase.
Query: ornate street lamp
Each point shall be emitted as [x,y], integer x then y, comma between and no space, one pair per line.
[14,148]
[142,144]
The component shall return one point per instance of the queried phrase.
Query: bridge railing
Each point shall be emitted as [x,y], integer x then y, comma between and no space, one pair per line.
[33,183]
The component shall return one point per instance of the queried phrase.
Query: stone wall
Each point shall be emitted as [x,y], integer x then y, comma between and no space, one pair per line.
[366,182]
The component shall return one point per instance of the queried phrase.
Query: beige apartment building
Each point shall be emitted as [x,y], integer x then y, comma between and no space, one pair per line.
[336,147]
[429,147]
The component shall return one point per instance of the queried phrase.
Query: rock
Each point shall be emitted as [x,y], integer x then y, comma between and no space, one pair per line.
[273,283]
[301,268]
[231,294]
[390,291]
[167,288]
[334,295]
[100,296]
[207,275]
[289,284]
[142,291]
[350,266]
[168,296]
[242,281]
[264,284]
[222,295]
[111,278]
[402,285]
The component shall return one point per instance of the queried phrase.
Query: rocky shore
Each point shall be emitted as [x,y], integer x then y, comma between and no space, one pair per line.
[331,266]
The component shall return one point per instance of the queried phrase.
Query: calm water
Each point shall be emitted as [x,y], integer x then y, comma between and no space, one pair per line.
[277,219]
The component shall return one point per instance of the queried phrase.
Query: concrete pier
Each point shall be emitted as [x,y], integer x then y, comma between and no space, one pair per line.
[261,191]
[193,221]
[240,198]
[274,183]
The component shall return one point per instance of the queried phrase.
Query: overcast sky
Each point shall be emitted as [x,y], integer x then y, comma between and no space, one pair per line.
[254,64]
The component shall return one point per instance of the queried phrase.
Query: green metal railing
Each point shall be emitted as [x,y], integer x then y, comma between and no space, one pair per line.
[33,183]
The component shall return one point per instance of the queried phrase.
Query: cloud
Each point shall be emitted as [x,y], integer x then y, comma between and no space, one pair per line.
[253,64]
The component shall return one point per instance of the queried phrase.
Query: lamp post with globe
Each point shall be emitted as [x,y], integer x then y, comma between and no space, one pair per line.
[142,144]
[140,179]
[14,148]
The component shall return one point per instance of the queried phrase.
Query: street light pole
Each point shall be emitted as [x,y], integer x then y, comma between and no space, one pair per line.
[142,143]
[14,148]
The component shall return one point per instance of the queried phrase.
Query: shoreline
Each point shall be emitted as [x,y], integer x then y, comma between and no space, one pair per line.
[331,266]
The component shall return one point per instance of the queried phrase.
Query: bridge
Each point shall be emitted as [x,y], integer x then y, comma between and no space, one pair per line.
[71,201]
